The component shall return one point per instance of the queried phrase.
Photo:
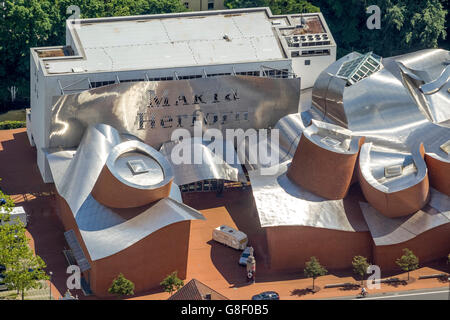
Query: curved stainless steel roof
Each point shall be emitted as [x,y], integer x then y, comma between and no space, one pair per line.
[159,171]
[280,202]
[390,110]
[396,108]
[373,162]
[289,128]
[388,231]
[332,137]
[212,166]
[105,230]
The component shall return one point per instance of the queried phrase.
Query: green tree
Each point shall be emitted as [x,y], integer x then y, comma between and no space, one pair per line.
[276,6]
[360,266]
[24,270]
[172,283]
[121,286]
[314,269]
[7,232]
[406,25]
[408,261]
[23,24]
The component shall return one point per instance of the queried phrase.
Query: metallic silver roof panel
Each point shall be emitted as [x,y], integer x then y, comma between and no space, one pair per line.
[389,231]
[106,231]
[373,161]
[229,102]
[213,166]
[76,182]
[280,202]
[289,128]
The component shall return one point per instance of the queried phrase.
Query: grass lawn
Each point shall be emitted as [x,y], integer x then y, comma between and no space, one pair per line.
[13,115]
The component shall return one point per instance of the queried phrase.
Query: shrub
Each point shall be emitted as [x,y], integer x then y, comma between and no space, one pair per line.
[122,286]
[6,125]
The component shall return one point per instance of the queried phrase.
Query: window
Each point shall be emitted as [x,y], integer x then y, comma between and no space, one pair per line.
[218,74]
[210,4]
[132,80]
[186,4]
[275,73]
[307,62]
[248,73]
[190,77]
[325,52]
[295,54]
[160,79]
[97,84]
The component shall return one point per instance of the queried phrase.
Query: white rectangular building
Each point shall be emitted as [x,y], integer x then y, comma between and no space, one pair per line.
[175,46]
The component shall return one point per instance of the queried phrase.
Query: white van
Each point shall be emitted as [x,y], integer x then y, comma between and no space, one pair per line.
[16,212]
[230,237]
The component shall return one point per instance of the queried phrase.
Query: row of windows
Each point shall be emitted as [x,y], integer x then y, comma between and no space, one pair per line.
[97,84]
[218,74]
[206,185]
[249,73]
[196,76]
[283,73]
[272,73]
[132,80]
[211,185]
[324,52]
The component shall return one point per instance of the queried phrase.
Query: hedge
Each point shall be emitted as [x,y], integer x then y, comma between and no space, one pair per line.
[5,125]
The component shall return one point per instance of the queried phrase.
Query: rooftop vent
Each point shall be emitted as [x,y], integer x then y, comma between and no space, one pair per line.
[137,166]
[446,147]
[393,171]
[330,141]
[208,296]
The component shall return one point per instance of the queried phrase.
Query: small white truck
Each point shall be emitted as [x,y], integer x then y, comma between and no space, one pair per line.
[230,237]
[16,213]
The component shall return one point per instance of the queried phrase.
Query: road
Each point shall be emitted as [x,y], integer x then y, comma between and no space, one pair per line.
[426,294]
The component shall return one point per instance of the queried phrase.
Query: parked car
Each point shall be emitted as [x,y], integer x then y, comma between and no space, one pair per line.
[230,237]
[244,255]
[267,295]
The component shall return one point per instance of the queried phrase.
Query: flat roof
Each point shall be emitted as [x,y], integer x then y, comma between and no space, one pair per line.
[175,40]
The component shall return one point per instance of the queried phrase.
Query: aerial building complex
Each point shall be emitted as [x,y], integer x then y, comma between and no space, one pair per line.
[104,113]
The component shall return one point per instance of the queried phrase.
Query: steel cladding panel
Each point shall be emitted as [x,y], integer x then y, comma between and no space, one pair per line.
[153,110]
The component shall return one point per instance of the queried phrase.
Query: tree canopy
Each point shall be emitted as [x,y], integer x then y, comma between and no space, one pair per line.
[172,283]
[314,269]
[121,286]
[408,261]
[276,6]
[360,266]
[24,269]
[406,25]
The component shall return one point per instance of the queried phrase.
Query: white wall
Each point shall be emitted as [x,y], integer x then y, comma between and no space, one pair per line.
[309,73]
